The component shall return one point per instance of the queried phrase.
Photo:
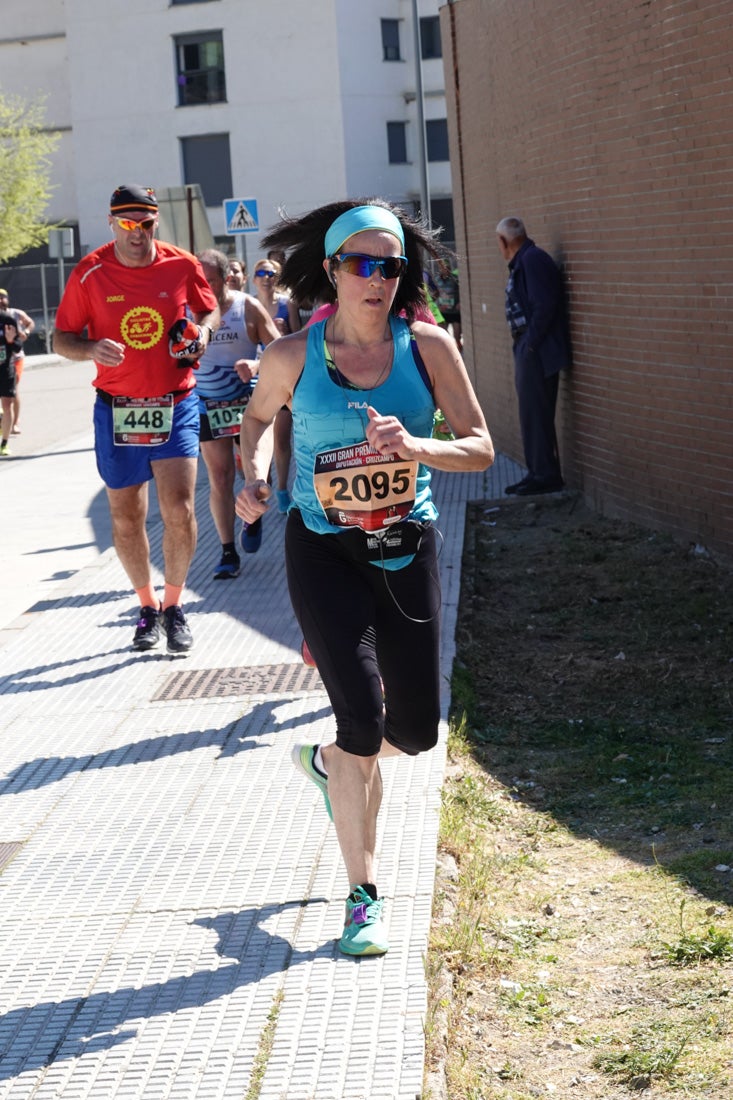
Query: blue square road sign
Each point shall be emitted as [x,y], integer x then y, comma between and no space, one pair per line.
[241,216]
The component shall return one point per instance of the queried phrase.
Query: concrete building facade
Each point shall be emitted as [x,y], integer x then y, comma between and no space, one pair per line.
[289,103]
[607,126]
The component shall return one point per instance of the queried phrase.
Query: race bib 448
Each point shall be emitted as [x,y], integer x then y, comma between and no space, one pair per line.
[142,421]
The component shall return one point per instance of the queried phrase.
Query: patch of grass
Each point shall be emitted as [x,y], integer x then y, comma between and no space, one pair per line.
[531,1004]
[264,1048]
[586,808]
[523,936]
[691,948]
[700,869]
[464,698]
[645,1057]
[472,802]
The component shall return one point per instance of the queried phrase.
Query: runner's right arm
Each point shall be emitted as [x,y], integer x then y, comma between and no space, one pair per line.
[74,346]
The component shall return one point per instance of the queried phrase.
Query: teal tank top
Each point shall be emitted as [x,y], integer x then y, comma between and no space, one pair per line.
[331,419]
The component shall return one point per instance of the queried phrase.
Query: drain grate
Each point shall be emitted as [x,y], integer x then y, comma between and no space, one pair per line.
[207,683]
[8,850]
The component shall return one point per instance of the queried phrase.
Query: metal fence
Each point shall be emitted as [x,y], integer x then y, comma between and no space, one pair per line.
[37,289]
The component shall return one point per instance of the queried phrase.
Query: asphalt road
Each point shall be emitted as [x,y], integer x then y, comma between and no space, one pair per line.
[54,518]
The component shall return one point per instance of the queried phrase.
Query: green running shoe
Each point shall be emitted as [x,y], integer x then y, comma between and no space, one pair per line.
[364,932]
[302,757]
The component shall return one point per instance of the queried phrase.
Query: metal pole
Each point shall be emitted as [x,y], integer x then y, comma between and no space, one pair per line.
[241,245]
[189,212]
[420,103]
[46,326]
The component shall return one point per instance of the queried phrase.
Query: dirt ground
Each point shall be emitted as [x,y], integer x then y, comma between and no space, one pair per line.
[595,668]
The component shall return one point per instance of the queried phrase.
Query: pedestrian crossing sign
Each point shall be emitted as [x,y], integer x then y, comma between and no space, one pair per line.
[241,216]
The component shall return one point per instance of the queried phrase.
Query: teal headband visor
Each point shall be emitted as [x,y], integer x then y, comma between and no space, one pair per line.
[357,220]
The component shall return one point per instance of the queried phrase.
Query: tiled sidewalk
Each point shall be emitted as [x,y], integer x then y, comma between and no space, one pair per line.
[171,889]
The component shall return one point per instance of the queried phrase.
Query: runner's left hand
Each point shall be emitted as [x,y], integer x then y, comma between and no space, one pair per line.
[388,436]
[186,340]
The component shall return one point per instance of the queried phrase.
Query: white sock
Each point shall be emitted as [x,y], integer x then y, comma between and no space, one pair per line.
[318,761]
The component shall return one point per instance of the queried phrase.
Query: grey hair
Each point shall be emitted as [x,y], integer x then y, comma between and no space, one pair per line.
[214,258]
[511,229]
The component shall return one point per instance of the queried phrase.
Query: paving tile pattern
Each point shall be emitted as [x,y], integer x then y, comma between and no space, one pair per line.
[171,890]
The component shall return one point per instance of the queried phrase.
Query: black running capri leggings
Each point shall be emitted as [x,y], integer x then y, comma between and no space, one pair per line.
[359,623]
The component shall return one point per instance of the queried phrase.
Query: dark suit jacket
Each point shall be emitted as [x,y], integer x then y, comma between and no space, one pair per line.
[539,288]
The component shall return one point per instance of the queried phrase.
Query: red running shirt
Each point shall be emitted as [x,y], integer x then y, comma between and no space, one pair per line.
[136,306]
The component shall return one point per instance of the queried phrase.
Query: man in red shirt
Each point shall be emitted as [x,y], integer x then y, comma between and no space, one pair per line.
[125,307]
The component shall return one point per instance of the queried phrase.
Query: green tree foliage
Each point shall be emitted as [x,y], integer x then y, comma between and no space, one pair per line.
[25,175]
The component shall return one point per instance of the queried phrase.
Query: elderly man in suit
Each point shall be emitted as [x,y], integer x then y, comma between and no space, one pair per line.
[535,313]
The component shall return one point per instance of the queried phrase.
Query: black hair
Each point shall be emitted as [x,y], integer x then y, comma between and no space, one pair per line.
[302,241]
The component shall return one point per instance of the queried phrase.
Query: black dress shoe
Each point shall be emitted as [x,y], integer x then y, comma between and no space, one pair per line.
[519,485]
[532,487]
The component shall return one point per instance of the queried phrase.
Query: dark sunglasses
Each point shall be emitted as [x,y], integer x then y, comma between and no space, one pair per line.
[355,263]
[261,274]
[130,226]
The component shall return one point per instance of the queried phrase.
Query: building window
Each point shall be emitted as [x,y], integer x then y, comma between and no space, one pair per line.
[430,44]
[397,142]
[391,39]
[206,161]
[200,68]
[436,136]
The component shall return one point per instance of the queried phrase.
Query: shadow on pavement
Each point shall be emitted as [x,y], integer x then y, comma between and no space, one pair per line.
[260,719]
[33,1038]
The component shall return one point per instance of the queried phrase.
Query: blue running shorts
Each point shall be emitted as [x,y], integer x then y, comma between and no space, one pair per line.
[123,466]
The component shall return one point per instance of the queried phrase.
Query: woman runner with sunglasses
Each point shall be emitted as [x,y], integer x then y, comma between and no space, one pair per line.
[360,546]
[281,307]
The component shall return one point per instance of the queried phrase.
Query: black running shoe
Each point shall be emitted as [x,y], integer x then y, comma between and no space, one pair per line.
[147,629]
[228,567]
[179,636]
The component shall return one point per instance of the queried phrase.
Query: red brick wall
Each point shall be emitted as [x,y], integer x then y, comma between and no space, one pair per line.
[608,126]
